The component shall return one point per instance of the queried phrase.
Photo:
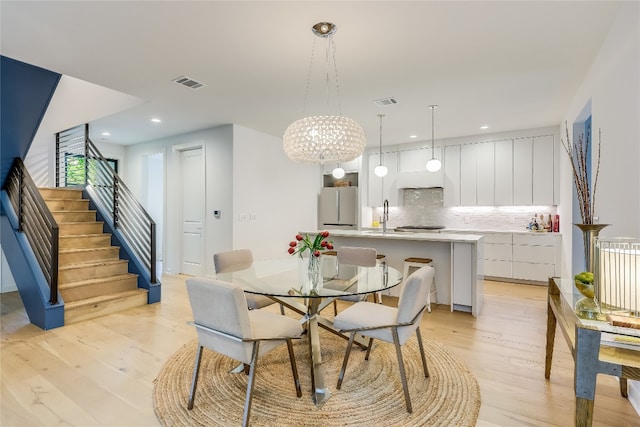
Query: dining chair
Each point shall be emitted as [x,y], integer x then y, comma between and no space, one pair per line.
[354,255]
[390,324]
[225,325]
[239,259]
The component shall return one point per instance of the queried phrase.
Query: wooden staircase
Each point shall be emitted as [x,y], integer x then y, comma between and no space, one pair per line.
[92,280]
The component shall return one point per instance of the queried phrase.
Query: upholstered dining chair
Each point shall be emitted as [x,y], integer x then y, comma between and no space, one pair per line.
[390,324]
[230,261]
[354,255]
[225,325]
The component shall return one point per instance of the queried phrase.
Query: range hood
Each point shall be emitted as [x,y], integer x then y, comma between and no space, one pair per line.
[422,179]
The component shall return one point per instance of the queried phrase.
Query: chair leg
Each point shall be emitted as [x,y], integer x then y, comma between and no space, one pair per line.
[250,382]
[335,308]
[282,309]
[194,379]
[369,347]
[294,368]
[403,376]
[345,360]
[424,360]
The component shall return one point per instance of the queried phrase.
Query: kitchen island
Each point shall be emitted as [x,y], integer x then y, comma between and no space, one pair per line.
[459,273]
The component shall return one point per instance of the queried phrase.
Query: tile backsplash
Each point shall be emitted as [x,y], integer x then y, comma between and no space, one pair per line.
[424,206]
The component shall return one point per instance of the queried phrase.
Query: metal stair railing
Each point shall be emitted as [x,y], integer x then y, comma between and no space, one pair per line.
[79,162]
[35,221]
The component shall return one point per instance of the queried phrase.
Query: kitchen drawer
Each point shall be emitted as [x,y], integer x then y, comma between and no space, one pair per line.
[497,268]
[534,254]
[505,238]
[536,239]
[497,252]
[530,271]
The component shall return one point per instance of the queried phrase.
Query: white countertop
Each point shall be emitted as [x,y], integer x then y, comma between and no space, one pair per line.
[430,237]
[471,231]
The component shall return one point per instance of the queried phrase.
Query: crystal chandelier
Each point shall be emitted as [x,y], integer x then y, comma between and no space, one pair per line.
[434,164]
[324,139]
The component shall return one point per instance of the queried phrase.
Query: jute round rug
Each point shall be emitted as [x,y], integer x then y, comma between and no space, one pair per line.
[371,392]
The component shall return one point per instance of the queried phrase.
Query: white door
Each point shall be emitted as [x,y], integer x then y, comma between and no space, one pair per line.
[192,188]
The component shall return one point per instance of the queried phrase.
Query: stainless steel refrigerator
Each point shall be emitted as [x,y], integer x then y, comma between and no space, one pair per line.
[338,207]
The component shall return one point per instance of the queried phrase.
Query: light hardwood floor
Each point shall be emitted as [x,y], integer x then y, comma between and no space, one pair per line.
[101,372]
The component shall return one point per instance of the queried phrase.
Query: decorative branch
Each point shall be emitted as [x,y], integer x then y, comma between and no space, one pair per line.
[577,153]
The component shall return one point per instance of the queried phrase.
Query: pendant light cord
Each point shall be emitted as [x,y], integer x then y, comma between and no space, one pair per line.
[381,116]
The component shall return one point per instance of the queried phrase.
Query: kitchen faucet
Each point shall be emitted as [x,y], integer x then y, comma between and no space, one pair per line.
[385,215]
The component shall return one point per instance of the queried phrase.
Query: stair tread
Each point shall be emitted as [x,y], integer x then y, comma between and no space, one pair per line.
[103,298]
[76,236]
[98,280]
[72,211]
[92,263]
[92,249]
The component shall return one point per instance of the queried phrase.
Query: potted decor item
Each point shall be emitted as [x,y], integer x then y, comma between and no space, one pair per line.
[578,153]
[309,250]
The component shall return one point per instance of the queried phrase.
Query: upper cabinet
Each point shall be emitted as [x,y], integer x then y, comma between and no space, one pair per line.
[412,172]
[518,171]
[468,174]
[533,171]
[503,165]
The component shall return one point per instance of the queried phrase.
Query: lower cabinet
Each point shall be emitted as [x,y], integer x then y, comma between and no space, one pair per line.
[529,257]
[535,256]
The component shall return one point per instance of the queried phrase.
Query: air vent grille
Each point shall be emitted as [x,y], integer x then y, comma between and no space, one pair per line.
[385,101]
[188,82]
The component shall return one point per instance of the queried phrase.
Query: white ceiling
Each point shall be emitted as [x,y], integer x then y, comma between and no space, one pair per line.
[510,65]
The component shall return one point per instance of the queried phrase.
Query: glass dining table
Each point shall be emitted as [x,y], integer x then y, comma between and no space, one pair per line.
[280,280]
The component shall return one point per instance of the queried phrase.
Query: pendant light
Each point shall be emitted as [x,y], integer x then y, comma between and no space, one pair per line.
[434,164]
[338,172]
[324,139]
[380,170]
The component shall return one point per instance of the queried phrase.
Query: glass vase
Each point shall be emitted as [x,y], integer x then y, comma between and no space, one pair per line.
[309,269]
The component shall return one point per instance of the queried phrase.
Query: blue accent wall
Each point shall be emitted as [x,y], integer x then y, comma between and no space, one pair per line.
[25,93]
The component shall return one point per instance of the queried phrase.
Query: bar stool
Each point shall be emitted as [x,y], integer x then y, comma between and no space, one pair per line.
[415,263]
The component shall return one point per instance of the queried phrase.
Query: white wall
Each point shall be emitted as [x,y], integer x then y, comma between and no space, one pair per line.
[613,88]
[218,148]
[273,197]
[612,85]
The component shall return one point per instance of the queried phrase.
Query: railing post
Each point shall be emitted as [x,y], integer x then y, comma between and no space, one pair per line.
[20,197]
[153,253]
[55,232]
[86,152]
[115,202]
[57,167]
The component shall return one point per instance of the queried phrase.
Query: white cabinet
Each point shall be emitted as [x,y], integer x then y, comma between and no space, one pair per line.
[504,173]
[451,168]
[523,171]
[497,254]
[468,174]
[386,187]
[535,256]
[485,166]
[416,160]
[533,171]
[543,167]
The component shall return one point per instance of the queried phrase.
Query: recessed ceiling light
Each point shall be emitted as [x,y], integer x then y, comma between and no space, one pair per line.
[105,134]
[413,136]
[156,120]
[484,127]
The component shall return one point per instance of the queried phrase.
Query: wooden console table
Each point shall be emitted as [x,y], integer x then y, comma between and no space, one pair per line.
[596,347]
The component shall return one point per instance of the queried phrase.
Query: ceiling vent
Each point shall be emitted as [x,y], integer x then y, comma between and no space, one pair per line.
[385,101]
[188,82]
